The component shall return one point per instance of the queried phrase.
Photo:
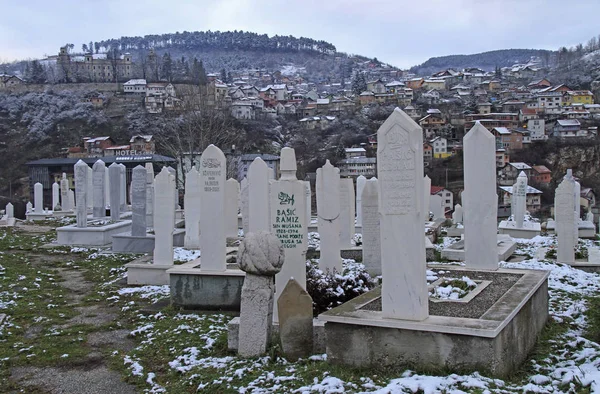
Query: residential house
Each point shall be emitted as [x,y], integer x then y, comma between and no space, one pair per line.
[243,110]
[323,105]
[526,114]
[509,139]
[135,86]
[440,148]
[541,175]
[394,87]
[550,102]
[438,84]
[567,128]
[578,97]
[427,152]
[484,108]
[142,144]
[7,81]
[366,97]
[355,152]
[537,129]
[431,124]
[587,198]
[250,91]
[502,157]
[356,166]
[431,96]
[512,106]
[509,173]
[491,120]
[412,112]
[447,197]
[377,86]
[533,200]
[94,147]
[245,160]
[415,83]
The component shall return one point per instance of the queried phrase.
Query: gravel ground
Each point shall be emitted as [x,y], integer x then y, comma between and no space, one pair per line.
[474,309]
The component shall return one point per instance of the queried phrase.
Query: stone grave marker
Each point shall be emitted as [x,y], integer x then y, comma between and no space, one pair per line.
[10,211]
[173,172]
[64,193]
[565,220]
[347,212]
[258,196]
[361,181]
[371,237]
[261,256]
[295,307]
[212,209]
[99,175]
[232,202]
[114,171]
[519,200]
[123,188]
[436,207]
[38,197]
[191,206]
[106,186]
[426,197]
[71,194]
[480,199]
[55,195]
[288,222]
[244,207]
[457,215]
[29,207]
[138,201]
[328,213]
[164,217]
[308,202]
[89,189]
[149,194]
[404,293]
[81,184]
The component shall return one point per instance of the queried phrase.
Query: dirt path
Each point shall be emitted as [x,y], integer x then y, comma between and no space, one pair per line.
[89,374]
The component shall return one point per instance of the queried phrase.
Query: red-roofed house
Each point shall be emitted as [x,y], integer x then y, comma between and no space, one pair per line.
[541,174]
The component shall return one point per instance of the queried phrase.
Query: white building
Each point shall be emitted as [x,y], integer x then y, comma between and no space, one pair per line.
[137,86]
[447,197]
[537,129]
[360,165]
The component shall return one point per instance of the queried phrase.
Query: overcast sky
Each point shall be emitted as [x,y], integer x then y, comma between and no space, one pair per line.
[403,33]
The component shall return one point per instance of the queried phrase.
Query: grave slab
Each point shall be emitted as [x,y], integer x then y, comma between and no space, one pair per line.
[127,243]
[93,235]
[506,247]
[528,230]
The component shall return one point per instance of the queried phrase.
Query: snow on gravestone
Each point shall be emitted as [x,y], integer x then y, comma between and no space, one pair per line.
[480,199]
[519,200]
[38,197]
[360,185]
[288,222]
[81,184]
[258,196]
[244,207]
[565,220]
[55,195]
[98,175]
[232,202]
[191,206]
[114,172]
[212,209]
[138,201]
[347,208]
[371,237]
[164,217]
[328,213]
[404,292]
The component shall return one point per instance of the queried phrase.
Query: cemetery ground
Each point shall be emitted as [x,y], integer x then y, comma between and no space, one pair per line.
[72,325]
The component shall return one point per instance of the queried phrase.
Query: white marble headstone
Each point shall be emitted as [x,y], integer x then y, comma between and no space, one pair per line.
[361,181]
[64,193]
[244,206]
[99,175]
[258,196]
[436,206]
[138,201]
[114,171]
[38,198]
[328,213]
[371,237]
[164,218]
[81,186]
[55,195]
[565,220]
[347,212]
[519,200]
[232,202]
[191,206]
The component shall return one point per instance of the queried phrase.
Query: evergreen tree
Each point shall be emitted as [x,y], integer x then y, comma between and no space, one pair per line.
[359,83]
[224,76]
[198,73]
[167,67]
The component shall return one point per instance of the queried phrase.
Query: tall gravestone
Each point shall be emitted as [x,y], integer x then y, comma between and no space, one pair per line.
[426,197]
[404,293]
[232,202]
[371,237]
[123,188]
[308,191]
[328,213]
[519,200]
[114,172]
[38,198]
[191,206]
[288,222]
[173,173]
[261,256]
[361,181]
[106,186]
[64,193]
[81,185]
[480,199]
[436,206]
[149,194]
[10,211]
[29,207]
[99,175]
[138,202]
[244,207]
[457,215]
[89,189]
[164,218]
[71,195]
[565,220]
[258,195]
[212,210]
[347,212]
[295,311]
[55,195]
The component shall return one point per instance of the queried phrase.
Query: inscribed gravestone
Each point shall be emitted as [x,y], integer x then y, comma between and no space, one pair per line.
[81,184]
[212,209]
[436,207]
[347,216]
[519,199]
[360,185]
[191,205]
[149,194]
[457,215]
[64,193]
[371,238]
[89,189]
[55,195]
[565,220]
[164,217]
[328,213]
[244,207]
[38,197]
[123,188]
[114,172]
[258,195]
[99,175]
[138,201]
[404,293]
[426,197]
[232,202]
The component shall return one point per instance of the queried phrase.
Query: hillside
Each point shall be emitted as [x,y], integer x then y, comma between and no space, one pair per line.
[487,61]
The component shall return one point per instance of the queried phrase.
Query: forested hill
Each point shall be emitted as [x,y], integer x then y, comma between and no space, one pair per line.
[228,40]
[487,61]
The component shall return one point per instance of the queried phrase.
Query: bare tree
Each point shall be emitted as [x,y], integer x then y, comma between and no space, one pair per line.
[195,126]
